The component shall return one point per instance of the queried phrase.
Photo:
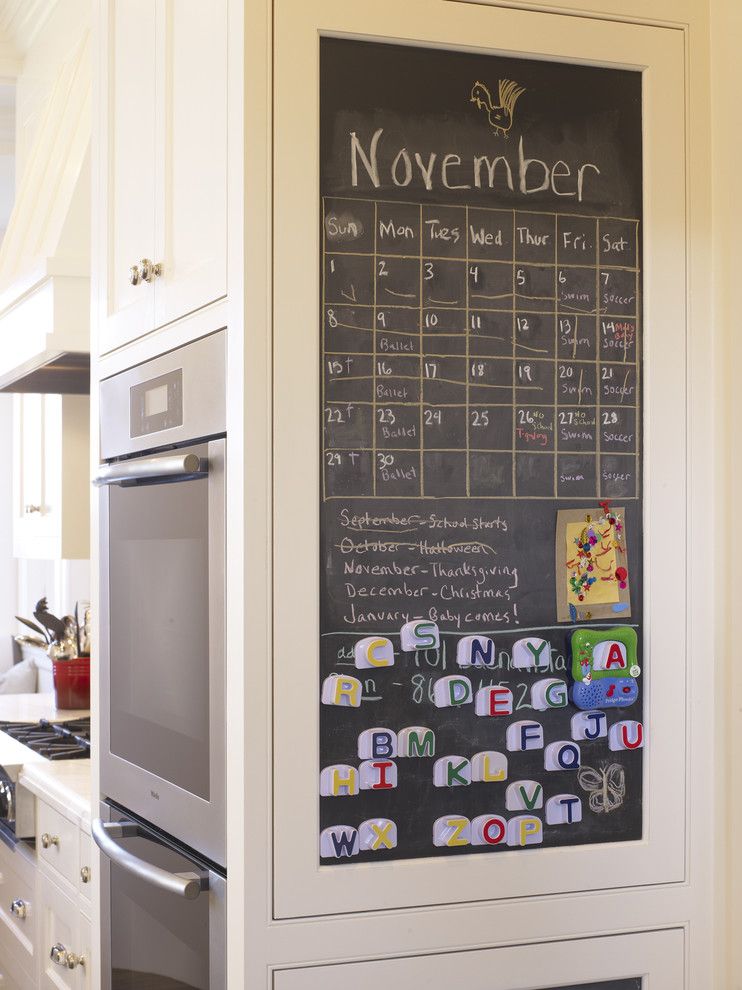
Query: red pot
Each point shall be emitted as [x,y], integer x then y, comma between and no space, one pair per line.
[72,683]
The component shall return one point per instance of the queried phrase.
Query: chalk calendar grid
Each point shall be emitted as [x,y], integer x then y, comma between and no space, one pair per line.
[516,331]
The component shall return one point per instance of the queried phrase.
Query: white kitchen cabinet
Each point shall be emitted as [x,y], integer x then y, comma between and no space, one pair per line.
[51,476]
[64,938]
[163,164]
[18,917]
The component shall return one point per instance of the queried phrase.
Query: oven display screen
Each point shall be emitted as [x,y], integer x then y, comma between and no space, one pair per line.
[155,401]
[157,404]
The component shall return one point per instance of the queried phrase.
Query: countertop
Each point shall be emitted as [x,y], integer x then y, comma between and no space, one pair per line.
[63,784]
[32,707]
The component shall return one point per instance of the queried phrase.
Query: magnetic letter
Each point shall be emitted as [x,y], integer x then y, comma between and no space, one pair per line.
[549,693]
[524,735]
[377,833]
[340,689]
[493,701]
[488,830]
[373,651]
[452,771]
[378,775]
[449,692]
[626,735]
[419,635]
[452,830]
[524,795]
[589,725]
[563,809]
[489,767]
[562,756]
[525,830]
[609,655]
[339,780]
[530,653]
[475,651]
[416,741]
[377,743]
[338,841]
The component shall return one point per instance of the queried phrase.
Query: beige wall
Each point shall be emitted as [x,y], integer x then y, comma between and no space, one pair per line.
[726,124]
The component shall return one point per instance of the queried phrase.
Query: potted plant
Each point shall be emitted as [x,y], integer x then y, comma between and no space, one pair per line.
[68,644]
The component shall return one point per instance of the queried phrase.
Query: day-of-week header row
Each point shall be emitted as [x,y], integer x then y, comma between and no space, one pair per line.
[366,227]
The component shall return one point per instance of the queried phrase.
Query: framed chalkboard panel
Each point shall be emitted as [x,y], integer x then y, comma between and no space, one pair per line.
[477,372]
[481,380]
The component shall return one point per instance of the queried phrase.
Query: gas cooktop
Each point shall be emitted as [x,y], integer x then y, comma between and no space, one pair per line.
[54,740]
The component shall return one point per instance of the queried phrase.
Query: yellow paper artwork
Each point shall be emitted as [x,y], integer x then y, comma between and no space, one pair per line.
[604,589]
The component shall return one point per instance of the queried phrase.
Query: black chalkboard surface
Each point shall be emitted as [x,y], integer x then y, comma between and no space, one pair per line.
[481,371]
[609,985]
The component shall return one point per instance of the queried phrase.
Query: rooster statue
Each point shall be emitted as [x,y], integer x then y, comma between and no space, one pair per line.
[500,116]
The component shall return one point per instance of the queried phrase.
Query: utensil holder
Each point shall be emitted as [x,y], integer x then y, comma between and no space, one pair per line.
[72,683]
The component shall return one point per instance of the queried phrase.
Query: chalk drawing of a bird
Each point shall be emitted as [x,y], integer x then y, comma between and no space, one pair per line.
[499,115]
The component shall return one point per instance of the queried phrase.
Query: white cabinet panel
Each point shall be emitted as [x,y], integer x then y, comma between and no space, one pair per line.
[653,958]
[130,121]
[162,164]
[191,213]
[51,482]
[305,885]
[61,951]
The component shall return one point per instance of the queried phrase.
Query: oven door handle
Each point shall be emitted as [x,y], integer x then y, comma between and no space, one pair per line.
[188,885]
[179,466]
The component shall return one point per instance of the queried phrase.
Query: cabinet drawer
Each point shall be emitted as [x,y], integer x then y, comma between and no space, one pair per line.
[59,928]
[85,874]
[18,914]
[57,843]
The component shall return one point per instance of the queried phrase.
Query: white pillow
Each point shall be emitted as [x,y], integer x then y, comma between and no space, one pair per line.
[20,679]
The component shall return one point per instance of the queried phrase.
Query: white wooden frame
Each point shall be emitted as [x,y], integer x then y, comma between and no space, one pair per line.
[303,887]
[655,956]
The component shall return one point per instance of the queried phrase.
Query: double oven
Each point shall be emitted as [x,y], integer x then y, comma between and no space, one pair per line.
[162,826]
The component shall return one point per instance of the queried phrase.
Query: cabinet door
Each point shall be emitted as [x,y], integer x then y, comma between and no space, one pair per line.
[33,494]
[191,170]
[50,476]
[127,169]
[62,952]
[623,962]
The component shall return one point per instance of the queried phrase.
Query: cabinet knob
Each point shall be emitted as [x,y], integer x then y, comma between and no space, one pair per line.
[49,840]
[85,874]
[30,509]
[135,275]
[63,957]
[19,908]
[150,269]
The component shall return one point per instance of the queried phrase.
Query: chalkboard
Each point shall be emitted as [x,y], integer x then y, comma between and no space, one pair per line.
[480,383]
[609,985]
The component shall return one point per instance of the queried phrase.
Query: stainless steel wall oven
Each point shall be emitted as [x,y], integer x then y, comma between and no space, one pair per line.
[162,546]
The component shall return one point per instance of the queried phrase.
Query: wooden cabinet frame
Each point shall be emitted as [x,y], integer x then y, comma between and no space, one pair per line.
[302,886]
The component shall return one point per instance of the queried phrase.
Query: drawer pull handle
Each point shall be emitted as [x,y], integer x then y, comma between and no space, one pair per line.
[85,874]
[134,275]
[49,840]
[63,957]
[19,908]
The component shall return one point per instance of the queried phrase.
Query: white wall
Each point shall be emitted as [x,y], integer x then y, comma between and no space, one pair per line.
[61,582]
[8,566]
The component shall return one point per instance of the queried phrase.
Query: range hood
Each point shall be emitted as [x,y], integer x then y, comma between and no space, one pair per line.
[45,254]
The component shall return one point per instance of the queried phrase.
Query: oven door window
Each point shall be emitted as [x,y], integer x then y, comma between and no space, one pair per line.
[159,629]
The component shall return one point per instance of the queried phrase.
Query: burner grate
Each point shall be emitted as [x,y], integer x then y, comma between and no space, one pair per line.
[54,740]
